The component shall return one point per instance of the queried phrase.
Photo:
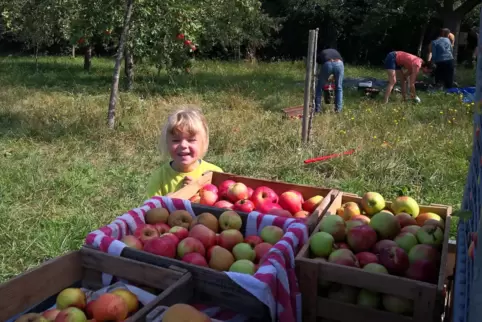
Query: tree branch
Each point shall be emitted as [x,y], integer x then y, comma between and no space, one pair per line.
[466,7]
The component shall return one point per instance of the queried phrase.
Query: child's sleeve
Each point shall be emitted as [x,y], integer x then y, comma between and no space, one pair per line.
[154,185]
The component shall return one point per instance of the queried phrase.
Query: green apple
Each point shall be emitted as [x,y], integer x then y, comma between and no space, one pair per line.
[375,268]
[244,251]
[430,235]
[321,244]
[368,298]
[372,203]
[406,241]
[407,205]
[243,266]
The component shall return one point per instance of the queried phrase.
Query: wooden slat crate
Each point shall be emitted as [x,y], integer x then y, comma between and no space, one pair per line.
[428,301]
[279,187]
[294,112]
[35,290]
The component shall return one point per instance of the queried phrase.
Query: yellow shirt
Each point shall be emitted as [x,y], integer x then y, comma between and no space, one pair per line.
[166,180]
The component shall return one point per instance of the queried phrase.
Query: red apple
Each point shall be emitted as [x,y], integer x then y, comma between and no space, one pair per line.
[405,219]
[179,232]
[343,257]
[365,258]
[261,250]
[132,241]
[361,238]
[190,245]
[301,214]
[267,207]
[423,270]
[224,204]
[384,243]
[110,307]
[311,204]
[280,212]
[244,205]
[264,194]
[162,228]
[395,260]
[205,235]
[223,188]
[173,237]
[253,240]
[208,198]
[162,246]
[237,191]
[195,199]
[229,238]
[196,259]
[340,245]
[250,192]
[51,314]
[209,187]
[291,200]
[146,232]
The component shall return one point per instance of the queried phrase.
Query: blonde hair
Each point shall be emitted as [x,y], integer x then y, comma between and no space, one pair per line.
[186,119]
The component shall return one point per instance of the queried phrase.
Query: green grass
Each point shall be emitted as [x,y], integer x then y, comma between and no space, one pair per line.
[64,174]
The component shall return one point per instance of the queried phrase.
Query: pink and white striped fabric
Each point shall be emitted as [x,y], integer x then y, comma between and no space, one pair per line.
[274,283]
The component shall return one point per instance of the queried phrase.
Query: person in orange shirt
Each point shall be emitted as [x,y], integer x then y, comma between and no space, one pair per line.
[394,62]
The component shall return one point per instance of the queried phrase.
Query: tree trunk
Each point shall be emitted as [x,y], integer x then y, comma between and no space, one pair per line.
[88,58]
[73,51]
[36,57]
[421,40]
[118,62]
[129,68]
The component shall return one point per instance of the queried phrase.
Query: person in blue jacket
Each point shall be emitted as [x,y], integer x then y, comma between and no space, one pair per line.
[440,52]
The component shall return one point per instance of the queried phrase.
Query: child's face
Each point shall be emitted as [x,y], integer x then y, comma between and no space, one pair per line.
[184,148]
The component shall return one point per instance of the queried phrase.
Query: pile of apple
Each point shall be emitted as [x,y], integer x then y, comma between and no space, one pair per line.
[400,241]
[204,240]
[239,197]
[72,306]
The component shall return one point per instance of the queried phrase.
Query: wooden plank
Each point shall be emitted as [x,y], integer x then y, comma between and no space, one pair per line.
[131,270]
[32,287]
[425,305]
[345,312]
[314,218]
[445,250]
[191,189]
[307,273]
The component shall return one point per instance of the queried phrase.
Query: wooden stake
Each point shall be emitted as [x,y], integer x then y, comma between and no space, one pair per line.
[313,86]
[307,97]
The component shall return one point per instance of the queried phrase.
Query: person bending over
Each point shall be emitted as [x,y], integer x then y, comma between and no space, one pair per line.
[330,62]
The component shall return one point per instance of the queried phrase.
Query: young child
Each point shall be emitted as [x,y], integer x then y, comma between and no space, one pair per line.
[185,138]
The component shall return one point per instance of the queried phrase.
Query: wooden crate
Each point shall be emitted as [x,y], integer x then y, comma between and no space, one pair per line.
[211,286]
[279,187]
[294,112]
[35,290]
[427,298]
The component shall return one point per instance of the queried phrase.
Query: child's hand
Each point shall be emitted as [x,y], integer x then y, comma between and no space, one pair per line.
[187,180]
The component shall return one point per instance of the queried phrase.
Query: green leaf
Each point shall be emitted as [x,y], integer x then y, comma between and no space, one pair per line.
[462,214]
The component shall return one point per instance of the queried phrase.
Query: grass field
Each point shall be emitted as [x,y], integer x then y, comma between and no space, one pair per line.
[63,173]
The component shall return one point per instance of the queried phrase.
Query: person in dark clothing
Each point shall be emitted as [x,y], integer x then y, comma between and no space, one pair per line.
[440,53]
[472,41]
[331,63]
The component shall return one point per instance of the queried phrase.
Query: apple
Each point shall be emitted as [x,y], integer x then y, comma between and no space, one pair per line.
[220,258]
[375,268]
[195,259]
[88,309]
[129,297]
[321,244]
[162,228]
[405,219]
[406,241]
[271,234]
[180,218]
[430,235]
[244,205]
[223,188]
[364,219]
[51,314]
[435,222]
[208,198]
[195,199]
[279,212]
[368,298]
[372,202]
[32,317]
[384,243]
[146,232]
[342,293]
[110,307]
[340,245]
[343,257]
[190,245]
[395,260]
[311,204]
[132,241]
[71,297]
[253,240]
[173,237]
[229,238]
[267,207]
[386,225]
[302,214]
[261,250]
[350,209]
[424,217]
[407,205]
[209,187]
[224,204]
[352,224]
[71,314]
[365,258]
[262,195]
[361,238]
[230,220]
[334,225]
[398,305]
[250,192]
[207,219]
[162,246]
[205,235]
[237,191]
[423,270]
[179,232]
[422,251]
[244,251]
[243,266]
[156,215]
[411,229]
[184,312]
[290,200]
